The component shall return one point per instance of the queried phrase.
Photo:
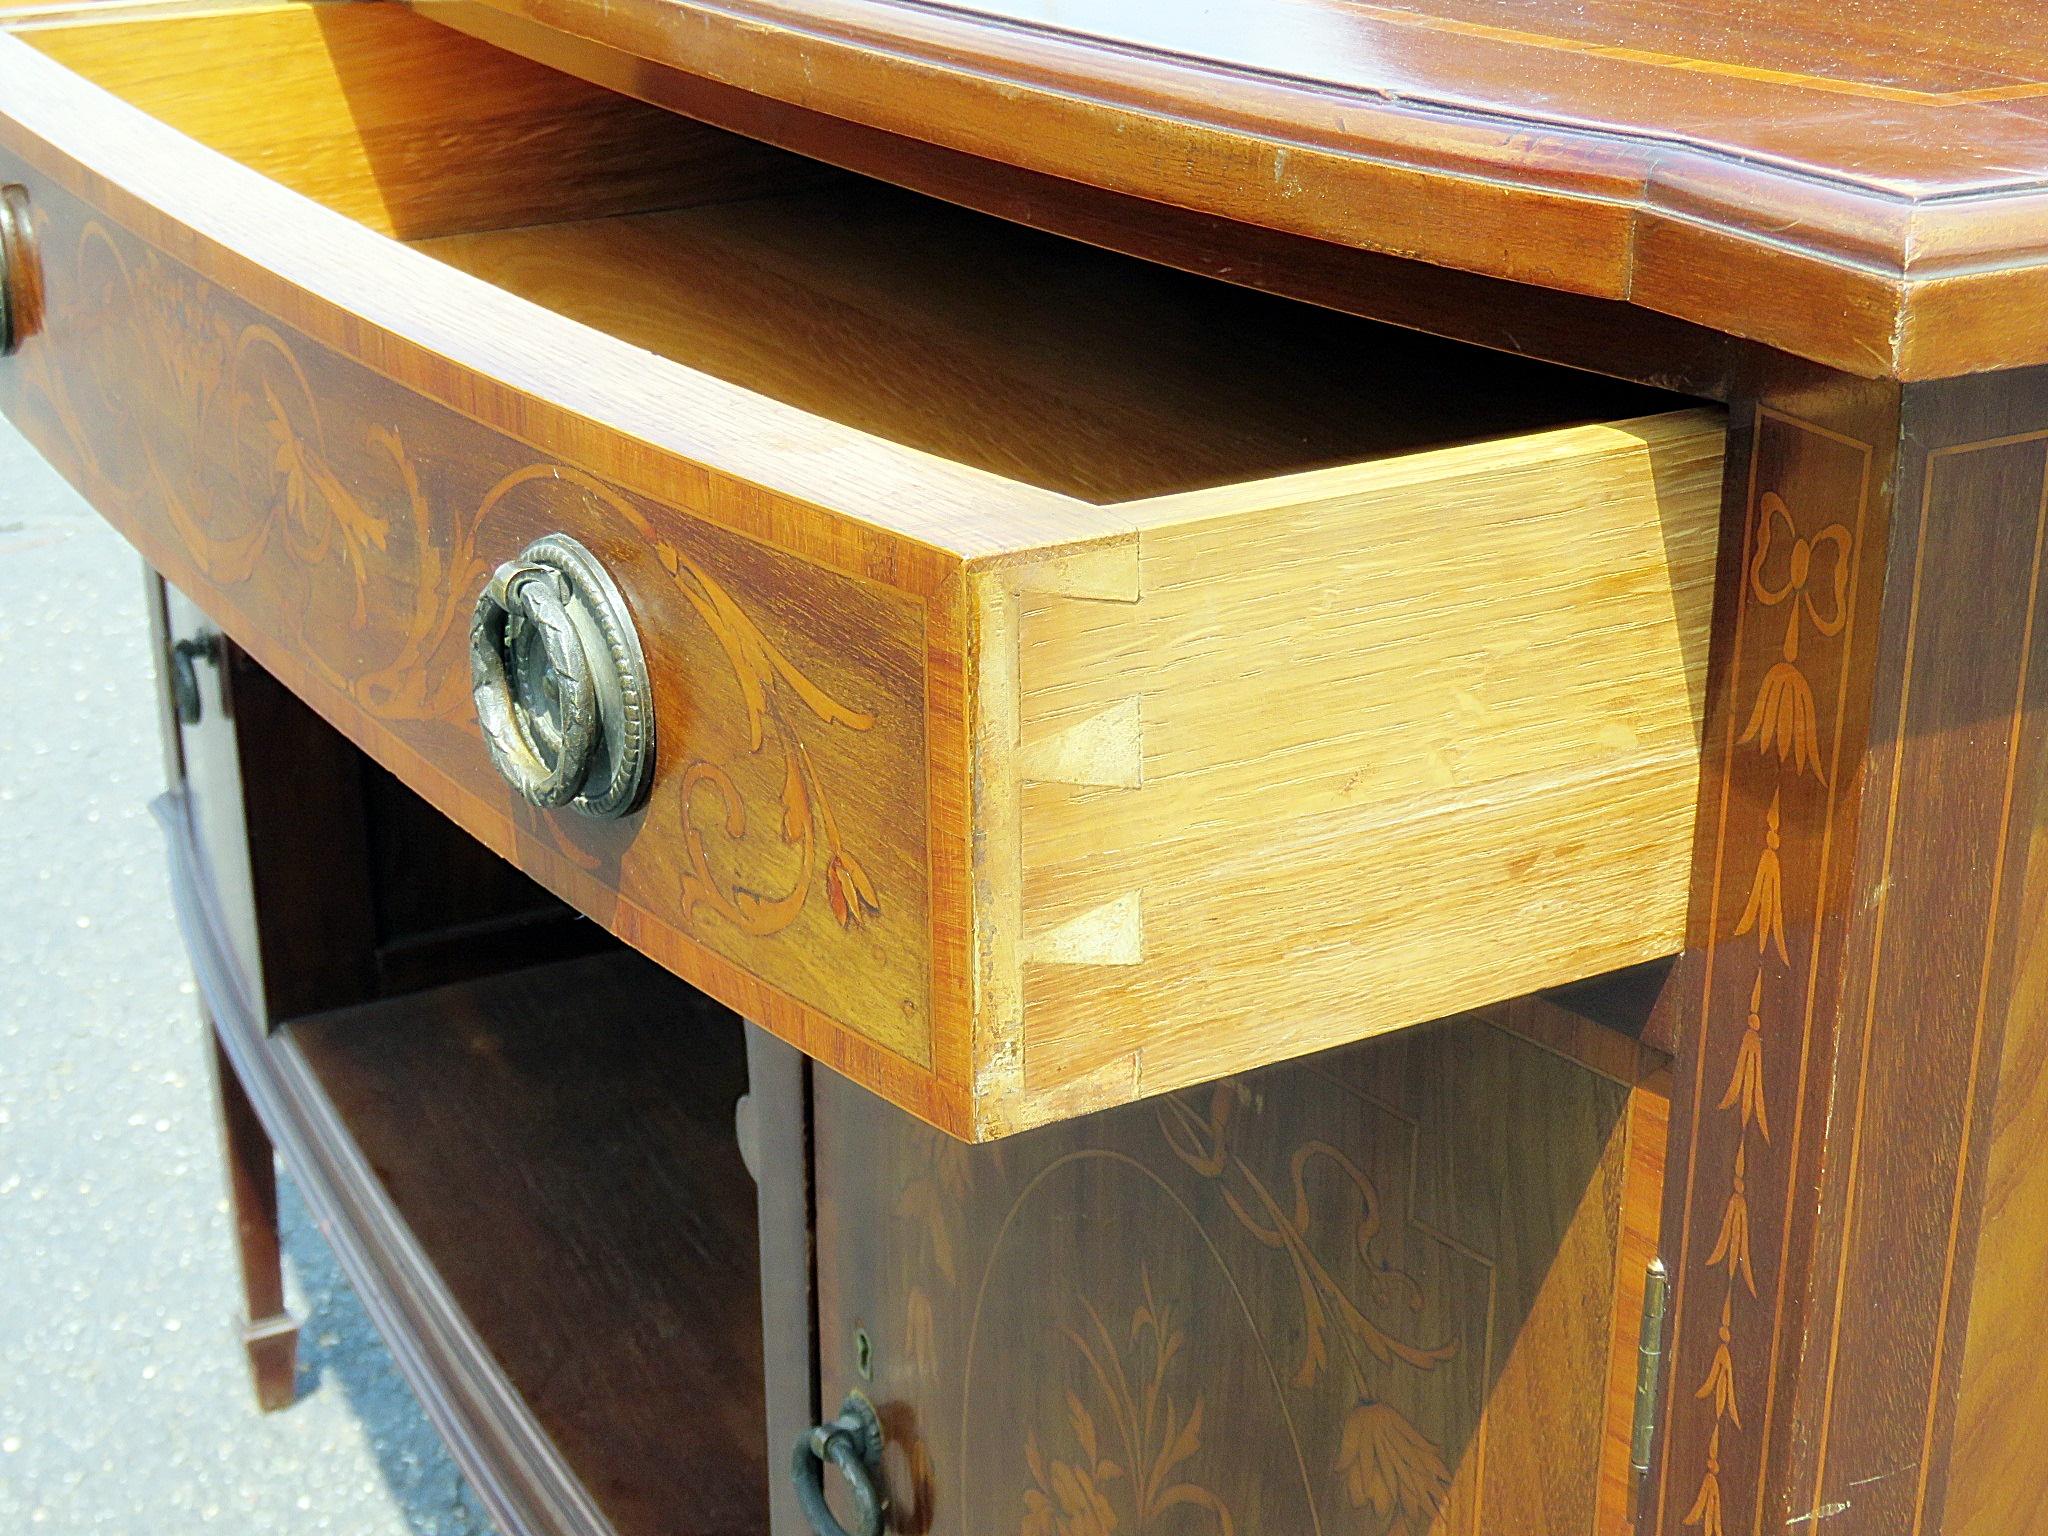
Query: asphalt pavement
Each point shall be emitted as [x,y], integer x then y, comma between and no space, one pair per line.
[124,1400]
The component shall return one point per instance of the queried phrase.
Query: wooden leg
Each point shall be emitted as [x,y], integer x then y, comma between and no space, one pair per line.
[1860,1014]
[269,1333]
[778,1141]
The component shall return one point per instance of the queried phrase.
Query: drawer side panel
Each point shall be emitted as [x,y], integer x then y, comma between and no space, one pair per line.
[1370,747]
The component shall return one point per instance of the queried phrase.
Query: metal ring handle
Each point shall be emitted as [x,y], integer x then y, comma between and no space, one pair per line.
[562,688]
[19,278]
[6,284]
[185,654]
[544,755]
[852,1443]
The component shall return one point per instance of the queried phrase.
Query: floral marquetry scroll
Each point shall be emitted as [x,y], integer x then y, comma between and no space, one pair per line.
[1126,1476]
[1388,1465]
[775,699]
[1807,576]
[1329,1297]
[1780,783]
[227,440]
[340,527]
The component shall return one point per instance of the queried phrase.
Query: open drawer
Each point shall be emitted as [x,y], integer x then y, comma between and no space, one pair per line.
[1071,680]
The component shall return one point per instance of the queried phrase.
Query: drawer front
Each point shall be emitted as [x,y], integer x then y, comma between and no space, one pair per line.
[1393,1288]
[334,495]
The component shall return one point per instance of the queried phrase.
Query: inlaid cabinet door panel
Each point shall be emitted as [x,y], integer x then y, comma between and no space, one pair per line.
[1390,1289]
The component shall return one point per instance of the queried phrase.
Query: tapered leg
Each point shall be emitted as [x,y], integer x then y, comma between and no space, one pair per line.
[269,1333]
[777,1135]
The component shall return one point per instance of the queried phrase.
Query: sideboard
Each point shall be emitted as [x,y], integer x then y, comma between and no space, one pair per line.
[1100,767]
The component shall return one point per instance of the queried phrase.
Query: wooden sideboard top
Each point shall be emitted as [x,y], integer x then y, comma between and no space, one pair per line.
[1867,186]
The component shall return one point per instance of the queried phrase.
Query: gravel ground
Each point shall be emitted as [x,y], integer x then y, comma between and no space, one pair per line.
[124,1402]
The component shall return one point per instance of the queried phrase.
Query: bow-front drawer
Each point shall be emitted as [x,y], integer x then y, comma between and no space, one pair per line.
[1024,678]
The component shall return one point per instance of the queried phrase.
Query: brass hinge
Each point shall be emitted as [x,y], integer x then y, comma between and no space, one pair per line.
[1649,1364]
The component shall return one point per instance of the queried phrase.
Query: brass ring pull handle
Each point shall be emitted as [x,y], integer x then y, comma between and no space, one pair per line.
[6,284]
[17,306]
[538,709]
[560,683]
[852,1443]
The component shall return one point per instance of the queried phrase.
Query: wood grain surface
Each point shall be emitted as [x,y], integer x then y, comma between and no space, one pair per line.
[1603,335]
[297,492]
[258,471]
[1868,190]
[1403,762]
[1032,357]
[373,131]
[559,1144]
[1382,1289]
[1996,1478]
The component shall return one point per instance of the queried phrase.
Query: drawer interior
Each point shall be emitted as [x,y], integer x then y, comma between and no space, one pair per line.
[1034,357]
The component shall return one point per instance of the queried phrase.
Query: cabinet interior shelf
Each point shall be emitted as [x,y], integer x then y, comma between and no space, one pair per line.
[534,1183]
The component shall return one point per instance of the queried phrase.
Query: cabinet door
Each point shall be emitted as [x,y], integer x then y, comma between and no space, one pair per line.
[1390,1289]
